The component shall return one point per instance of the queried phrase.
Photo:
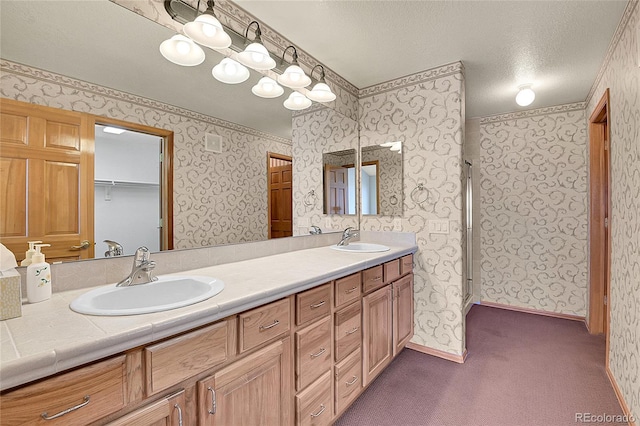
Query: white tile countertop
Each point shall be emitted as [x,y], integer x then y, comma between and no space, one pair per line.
[50,337]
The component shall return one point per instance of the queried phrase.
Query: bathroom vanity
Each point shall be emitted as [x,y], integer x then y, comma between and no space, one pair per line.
[295,352]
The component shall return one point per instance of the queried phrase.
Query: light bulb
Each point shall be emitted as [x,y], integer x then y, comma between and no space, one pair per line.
[183,47]
[230,72]
[267,88]
[297,101]
[209,30]
[525,96]
[230,68]
[256,57]
[182,51]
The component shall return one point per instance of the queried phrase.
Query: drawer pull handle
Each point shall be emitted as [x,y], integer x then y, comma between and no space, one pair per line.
[317,305]
[179,414]
[266,327]
[376,278]
[322,350]
[214,405]
[355,379]
[351,290]
[352,331]
[322,408]
[68,410]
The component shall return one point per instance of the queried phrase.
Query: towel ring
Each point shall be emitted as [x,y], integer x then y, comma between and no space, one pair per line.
[415,194]
[393,200]
[310,199]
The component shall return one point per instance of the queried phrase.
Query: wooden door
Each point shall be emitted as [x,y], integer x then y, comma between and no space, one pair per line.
[376,333]
[402,312]
[280,196]
[253,391]
[337,190]
[168,411]
[46,180]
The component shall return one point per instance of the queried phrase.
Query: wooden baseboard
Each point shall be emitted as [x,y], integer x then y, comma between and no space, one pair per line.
[621,401]
[438,353]
[534,311]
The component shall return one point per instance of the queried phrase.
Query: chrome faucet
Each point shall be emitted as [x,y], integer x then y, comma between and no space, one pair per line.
[348,234]
[115,249]
[315,230]
[141,269]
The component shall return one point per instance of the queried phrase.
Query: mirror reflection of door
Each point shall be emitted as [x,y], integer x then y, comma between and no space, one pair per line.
[280,190]
[127,190]
[370,188]
[337,188]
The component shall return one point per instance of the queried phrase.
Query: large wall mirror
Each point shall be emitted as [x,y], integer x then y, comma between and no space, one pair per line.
[381,179]
[219,189]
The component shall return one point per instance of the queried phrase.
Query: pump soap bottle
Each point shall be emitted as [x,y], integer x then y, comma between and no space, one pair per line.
[38,277]
[29,253]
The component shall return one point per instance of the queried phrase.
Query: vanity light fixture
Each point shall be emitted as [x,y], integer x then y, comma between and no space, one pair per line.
[207,30]
[321,91]
[297,101]
[230,72]
[267,88]
[525,95]
[255,55]
[294,76]
[182,50]
[114,130]
[393,146]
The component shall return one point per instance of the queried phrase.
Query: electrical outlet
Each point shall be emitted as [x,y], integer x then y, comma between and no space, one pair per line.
[397,224]
[438,226]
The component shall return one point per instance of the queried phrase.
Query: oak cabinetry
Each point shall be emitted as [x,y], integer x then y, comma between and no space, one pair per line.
[255,390]
[263,324]
[372,279]
[313,405]
[348,380]
[377,349]
[167,411]
[348,330]
[75,398]
[406,264]
[402,312]
[347,289]
[391,270]
[313,352]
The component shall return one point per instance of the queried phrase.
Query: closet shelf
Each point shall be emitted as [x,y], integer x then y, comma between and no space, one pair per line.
[125,183]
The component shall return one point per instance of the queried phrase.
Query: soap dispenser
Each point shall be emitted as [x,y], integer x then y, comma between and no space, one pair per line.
[29,253]
[38,277]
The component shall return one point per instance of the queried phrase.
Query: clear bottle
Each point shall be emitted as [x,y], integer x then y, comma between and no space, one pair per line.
[38,277]
[29,253]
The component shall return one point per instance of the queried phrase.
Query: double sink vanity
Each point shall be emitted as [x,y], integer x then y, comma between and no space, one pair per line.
[293,338]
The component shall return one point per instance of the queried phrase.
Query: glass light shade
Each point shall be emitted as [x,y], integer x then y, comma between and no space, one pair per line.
[321,92]
[294,77]
[230,72]
[267,88]
[182,50]
[257,57]
[297,101]
[525,96]
[207,31]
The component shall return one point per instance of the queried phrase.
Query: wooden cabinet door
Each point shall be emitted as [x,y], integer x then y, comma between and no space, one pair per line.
[402,312]
[255,390]
[169,411]
[376,332]
[46,180]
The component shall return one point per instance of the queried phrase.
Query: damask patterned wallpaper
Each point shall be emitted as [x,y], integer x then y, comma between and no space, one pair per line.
[389,178]
[315,132]
[534,210]
[426,112]
[621,75]
[218,198]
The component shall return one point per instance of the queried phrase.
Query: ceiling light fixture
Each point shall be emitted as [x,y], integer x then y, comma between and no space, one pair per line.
[321,92]
[182,50]
[297,101]
[207,30]
[393,146]
[255,55]
[525,96]
[294,76]
[267,88]
[230,72]
[113,130]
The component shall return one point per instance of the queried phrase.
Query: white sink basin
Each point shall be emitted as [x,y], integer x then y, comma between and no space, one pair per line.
[361,248]
[169,292]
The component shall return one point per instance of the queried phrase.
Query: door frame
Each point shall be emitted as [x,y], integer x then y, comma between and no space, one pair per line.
[166,187]
[599,212]
[271,155]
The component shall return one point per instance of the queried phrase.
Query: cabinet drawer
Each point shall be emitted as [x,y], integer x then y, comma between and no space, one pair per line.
[348,332]
[348,380]
[348,289]
[313,352]
[170,362]
[313,405]
[391,270]
[93,392]
[372,279]
[406,264]
[313,304]
[264,323]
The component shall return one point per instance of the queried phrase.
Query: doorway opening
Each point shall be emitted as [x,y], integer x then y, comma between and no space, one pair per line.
[599,219]
[280,199]
[133,194]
